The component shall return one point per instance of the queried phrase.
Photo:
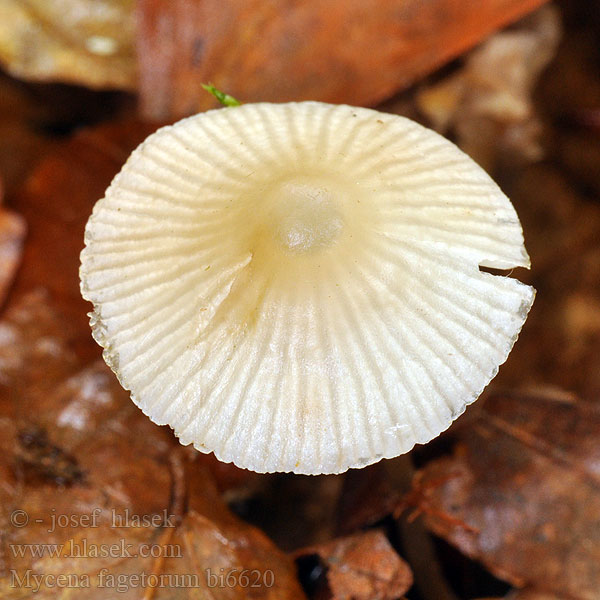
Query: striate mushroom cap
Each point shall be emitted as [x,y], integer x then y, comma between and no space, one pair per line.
[296,287]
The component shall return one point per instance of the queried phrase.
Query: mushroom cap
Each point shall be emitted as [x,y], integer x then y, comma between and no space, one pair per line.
[296,287]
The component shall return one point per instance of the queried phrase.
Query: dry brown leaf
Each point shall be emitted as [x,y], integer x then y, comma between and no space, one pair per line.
[579,152]
[522,492]
[560,343]
[194,555]
[75,41]
[488,102]
[22,141]
[51,425]
[78,460]
[357,52]
[56,202]
[33,348]
[363,567]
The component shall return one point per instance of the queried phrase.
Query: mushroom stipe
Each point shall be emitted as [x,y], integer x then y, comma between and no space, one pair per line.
[296,287]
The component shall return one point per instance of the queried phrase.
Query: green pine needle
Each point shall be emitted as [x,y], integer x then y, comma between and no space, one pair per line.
[223,98]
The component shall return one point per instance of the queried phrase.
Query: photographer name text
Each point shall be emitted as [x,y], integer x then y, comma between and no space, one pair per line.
[118,519]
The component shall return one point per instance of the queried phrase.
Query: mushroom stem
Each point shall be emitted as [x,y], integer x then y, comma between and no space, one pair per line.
[417,544]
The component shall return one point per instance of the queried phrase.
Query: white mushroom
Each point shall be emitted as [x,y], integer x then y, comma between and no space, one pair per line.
[296,287]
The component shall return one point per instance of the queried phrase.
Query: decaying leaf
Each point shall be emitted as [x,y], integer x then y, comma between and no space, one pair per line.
[75,41]
[79,171]
[560,344]
[23,141]
[363,566]
[524,481]
[81,468]
[353,52]
[488,103]
[49,436]
[32,346]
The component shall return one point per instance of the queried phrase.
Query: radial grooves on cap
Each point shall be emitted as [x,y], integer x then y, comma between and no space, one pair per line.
[428,289]
[264,333]
[311,362]
[413,333]
[265,438]
[335,413]
[414,401]
[364,354]
[278,434]
[231,373]
[358,367]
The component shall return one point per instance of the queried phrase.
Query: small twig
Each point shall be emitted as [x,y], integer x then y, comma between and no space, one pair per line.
[418,498]
[176,509]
